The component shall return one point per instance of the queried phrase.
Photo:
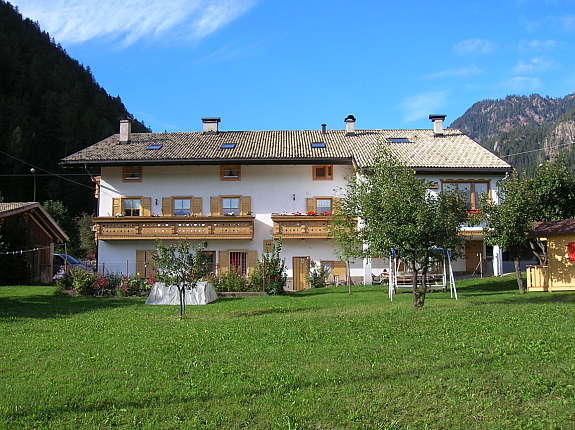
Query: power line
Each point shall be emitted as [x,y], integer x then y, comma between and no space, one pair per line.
[45,170]
[535,150]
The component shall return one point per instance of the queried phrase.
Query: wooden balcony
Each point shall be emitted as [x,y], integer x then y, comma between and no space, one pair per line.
[301,226]
[166,227]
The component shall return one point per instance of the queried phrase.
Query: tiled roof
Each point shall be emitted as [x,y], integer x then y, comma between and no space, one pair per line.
[424,149]
[544,228]
[10,207]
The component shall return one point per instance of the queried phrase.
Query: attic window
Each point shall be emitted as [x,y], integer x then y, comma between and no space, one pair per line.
[398,140]
[318,144]
[230,145]
[132,173]
[154,146]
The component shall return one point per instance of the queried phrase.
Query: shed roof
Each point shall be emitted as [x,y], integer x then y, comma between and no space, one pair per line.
[550,228]
[38,213]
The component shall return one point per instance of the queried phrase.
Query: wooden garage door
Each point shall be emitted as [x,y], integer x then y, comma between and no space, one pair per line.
[473,248]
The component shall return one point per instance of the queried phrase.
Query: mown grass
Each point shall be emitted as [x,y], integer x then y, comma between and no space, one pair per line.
[319,359]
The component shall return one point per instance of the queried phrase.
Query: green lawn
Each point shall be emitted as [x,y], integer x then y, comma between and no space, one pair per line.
[319,359]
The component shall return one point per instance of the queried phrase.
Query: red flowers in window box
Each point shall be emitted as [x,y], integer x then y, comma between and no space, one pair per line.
[312,213]
[474,211]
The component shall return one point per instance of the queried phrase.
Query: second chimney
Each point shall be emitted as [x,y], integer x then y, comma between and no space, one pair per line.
[210,125]
[324,128]
[125,130]
[437,123]
[349,124]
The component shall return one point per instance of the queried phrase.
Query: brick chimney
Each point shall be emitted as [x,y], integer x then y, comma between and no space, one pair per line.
[125,131]
[349,124]
[437,124]
[210,125]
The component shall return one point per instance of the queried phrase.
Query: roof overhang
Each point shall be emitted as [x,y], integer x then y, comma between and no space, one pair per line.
[211,161]
[39,215]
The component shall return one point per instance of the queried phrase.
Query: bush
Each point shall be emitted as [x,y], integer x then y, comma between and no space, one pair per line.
[83,282]
[318,276]
[231,281]
[64,282]
[270,272]
[133,287]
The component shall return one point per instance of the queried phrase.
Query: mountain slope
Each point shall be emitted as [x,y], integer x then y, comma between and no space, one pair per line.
[50,106]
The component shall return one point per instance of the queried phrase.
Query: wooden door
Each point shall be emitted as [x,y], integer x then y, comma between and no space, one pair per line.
[473,248]
[300,273]
[145,264]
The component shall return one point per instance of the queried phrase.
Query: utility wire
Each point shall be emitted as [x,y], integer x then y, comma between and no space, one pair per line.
[22,251]
[535,150]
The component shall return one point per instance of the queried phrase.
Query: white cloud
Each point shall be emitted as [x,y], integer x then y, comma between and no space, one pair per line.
[473,46]
[460,72]
[539,45]
[421,105]
[536,64]
[522,84]
[131,20]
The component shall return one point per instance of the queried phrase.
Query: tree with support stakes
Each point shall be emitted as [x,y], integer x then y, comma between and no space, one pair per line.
[397,212]
[182,265]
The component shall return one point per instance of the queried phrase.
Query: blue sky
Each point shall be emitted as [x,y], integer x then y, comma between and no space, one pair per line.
[295,64]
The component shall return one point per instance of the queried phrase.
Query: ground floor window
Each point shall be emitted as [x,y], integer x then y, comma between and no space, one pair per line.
[238,262]
[211,261]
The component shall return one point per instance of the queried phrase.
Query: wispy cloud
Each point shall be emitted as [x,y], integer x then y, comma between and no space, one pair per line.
[228,52]
[130,21]
[473,46]
[522,84]
[539,45]
[420,105]
[534,65]
[460,72]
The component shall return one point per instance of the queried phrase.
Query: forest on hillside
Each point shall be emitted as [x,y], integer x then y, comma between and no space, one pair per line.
[50,107]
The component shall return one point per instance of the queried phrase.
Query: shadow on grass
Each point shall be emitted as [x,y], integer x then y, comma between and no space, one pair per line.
[487,286]
[55,306]
[330,290]
[540,298]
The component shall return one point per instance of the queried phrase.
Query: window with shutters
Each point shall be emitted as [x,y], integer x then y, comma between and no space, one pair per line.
[230,205]
[322,173]
[132,174]
[230,173]
[182,207]
[210,261]
[239,262]
[132,207]
[471,191]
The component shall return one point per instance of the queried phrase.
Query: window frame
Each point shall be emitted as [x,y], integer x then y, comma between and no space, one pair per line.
[239,208]
[317,210]
[126,174]
[223,177]
[189,200]
[124,209]
[328,172]
[243,268]
[473,196]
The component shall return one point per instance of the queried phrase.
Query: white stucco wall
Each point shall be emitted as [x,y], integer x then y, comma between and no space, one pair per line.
[273,189]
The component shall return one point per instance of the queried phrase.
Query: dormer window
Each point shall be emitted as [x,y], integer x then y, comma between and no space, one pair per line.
[322,173]
[230,173]
[132,173]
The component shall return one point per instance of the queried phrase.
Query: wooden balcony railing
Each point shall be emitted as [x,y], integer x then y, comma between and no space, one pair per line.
[301,226]
[212,227]
[538,278]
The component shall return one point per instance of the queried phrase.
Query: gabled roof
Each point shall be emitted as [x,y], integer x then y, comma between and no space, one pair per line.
[550,228]
[452,150]
[38,213]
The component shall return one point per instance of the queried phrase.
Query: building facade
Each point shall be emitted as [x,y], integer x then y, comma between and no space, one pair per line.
[236,191]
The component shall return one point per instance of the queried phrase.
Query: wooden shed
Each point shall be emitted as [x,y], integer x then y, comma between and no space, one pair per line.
[29,234]
[559,272]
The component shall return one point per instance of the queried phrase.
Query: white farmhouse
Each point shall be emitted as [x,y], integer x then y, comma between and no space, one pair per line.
[235,191]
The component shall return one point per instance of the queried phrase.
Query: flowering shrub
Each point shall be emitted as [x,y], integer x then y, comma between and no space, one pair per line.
[133,286]
[231,281]
[83,282]
[270,273]
[318,276]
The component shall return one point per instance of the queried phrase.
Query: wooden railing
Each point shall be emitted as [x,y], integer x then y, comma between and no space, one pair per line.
[216,227]
[538,278]
[301,226]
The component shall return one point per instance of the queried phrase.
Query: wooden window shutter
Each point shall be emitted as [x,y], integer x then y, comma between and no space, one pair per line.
[268,246]
[196,205]
[245,205]
[252,259]
[216,206]
[140,264]
[116,206]
[335,204]
[167,206]
[224,262]
[310,205]
[146,206]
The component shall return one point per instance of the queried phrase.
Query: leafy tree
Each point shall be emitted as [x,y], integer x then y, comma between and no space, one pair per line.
[59,212]
[84,224]
[397,212]
[509,221]
[181,265]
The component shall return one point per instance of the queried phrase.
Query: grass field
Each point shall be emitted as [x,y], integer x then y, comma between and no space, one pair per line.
[319,359]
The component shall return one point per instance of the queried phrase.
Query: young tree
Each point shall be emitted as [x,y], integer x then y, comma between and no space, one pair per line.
[84,224]
[397,212]
[181,265]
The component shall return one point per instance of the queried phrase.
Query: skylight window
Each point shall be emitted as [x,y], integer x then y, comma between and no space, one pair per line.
[154,146]
[318,144]
[228,145]
[398,140]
